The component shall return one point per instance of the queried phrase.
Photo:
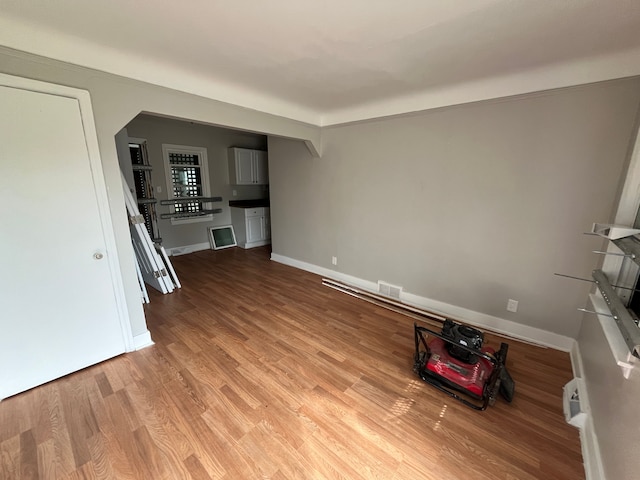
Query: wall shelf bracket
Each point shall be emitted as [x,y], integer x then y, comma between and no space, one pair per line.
[628,328]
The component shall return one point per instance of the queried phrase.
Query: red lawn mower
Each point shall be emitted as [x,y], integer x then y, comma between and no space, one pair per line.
[456,362]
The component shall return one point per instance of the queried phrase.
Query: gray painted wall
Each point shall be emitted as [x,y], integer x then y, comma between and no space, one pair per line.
[158,130]
[468,205]
[116,101]
[613,401]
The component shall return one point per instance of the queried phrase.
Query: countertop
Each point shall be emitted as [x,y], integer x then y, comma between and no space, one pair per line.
[254,203]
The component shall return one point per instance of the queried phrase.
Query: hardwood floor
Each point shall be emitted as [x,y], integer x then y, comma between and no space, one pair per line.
[259,371]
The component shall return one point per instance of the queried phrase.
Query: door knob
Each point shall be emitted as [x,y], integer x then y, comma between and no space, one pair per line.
[98,256]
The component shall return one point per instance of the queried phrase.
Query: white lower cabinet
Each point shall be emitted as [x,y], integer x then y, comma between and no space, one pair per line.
[252,226]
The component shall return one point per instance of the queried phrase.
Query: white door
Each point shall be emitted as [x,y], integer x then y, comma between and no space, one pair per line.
[244,167]
[58,305]
[254,229]
[261,165]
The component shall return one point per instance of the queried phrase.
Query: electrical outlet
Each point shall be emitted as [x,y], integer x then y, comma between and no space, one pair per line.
[234,193]
[512,305]
[158,189]
[334,260]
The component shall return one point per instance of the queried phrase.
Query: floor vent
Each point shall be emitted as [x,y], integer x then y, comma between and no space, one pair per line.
[389,290]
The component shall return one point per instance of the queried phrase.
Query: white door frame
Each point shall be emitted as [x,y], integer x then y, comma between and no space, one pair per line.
[95,163]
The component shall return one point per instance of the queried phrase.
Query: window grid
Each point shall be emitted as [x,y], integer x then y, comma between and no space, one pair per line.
[186,178]
[184,158]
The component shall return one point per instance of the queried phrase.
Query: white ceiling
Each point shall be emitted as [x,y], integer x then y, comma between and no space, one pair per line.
[332,61]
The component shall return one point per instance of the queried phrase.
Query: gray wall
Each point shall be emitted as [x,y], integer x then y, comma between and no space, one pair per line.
[158,130]
[468,205]
[115,102]
[613,401]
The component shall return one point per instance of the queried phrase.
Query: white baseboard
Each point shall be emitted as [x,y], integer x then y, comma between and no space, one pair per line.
[188,249]
[142,341]
[484,321]
[588,439]
[591,452]
[576,361]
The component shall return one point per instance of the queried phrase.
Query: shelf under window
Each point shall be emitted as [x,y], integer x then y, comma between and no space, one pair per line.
[173,201]
[200,213]
[143,201]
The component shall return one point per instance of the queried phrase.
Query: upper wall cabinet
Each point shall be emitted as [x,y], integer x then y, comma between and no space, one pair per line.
[248,167]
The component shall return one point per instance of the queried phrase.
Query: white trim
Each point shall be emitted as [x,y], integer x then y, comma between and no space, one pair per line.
[93,148]
[484,321]
[591,458]
[588,440]
[576,360]
[143,340]
[593,468]
[95,164]
[137,140]
[183,250]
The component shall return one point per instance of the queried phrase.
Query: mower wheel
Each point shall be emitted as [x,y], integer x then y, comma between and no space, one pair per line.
[419,360]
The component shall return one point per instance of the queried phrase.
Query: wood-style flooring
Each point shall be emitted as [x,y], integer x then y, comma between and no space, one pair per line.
[260,372]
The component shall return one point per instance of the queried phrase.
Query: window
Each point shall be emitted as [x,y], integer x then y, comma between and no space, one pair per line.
[187,176]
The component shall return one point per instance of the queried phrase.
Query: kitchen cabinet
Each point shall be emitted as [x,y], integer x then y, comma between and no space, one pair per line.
[248,167]
[252,226]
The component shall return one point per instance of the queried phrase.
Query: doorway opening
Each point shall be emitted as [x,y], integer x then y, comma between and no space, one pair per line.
[222,171]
